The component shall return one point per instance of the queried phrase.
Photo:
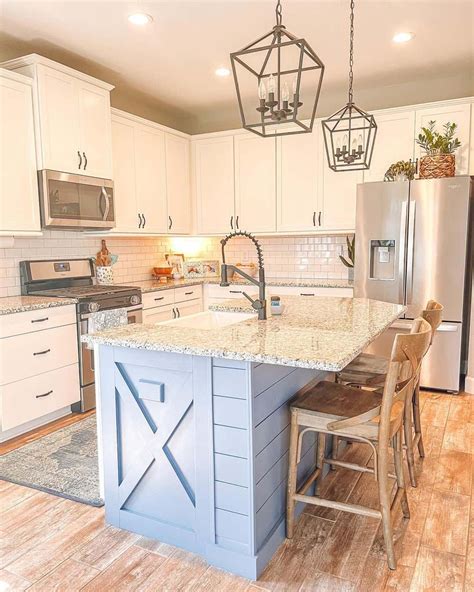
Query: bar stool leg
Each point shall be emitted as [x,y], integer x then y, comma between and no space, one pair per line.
[292,476]
[384,501]
[408,429]
[335,450]
[417,420]
[321,449]
[398,458]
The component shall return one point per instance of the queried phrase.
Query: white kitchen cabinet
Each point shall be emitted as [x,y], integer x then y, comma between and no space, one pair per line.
[125,196]
[95,138]
[150,178]
[213,168]
[158,314]
[178,188]
[337,197]
[255,165]
[459,113]
[184,309]
[72,117]
[393,142]
[297,182]
[19,204]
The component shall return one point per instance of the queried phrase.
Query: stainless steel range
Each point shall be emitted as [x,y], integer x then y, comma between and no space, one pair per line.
[75,278]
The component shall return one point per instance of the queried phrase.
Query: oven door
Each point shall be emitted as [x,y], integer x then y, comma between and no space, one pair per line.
[76,201]
[86,355]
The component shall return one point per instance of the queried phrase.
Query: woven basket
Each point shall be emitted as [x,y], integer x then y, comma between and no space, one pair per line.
[439,165]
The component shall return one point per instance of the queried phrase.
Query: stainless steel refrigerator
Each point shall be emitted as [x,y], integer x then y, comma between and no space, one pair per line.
[414,243]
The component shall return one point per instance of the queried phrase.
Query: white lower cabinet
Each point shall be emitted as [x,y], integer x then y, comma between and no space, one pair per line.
[39,372]
[171,303]
[158,314]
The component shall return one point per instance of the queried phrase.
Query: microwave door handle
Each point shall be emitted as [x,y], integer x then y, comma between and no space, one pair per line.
[401,253]
[107,203]
[411,251]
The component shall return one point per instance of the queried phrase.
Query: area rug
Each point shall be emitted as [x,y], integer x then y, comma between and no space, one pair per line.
[63,463]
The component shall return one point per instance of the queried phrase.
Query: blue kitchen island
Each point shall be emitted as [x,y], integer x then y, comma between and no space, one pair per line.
[194,421]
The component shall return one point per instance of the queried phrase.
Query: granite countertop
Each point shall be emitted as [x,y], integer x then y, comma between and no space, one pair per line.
[155,285]
[323,333]
[12,304]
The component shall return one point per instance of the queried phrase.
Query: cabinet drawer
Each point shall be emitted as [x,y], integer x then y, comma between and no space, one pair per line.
[307,291]
[31,398]
[37,320]
[187,293]
[159,298]
[158,314]
[26,355]
[215,291]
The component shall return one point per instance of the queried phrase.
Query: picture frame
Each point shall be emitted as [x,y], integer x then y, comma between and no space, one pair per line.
[193,269]
[176,261]
[210,267]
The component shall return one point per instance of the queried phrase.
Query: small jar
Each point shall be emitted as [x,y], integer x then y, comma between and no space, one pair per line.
[276,307]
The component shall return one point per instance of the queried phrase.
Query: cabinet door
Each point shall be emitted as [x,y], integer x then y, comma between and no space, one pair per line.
[337,198]
[214,184]
[394,142]
[460,114]
[255,191]
[19,205]
[185,309]
[151,178]
[178,190]
[59,121]
[126,212]
[95,134]
[297,188]
[158,314]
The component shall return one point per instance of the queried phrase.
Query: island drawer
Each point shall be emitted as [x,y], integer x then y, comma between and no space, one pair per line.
[33,397]
[158,298]
[37,320]
[29,354]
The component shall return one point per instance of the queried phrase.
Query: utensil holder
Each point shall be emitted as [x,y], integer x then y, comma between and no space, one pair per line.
[104,275]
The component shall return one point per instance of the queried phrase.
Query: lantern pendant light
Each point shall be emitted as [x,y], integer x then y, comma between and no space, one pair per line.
[265,71]
[349,134]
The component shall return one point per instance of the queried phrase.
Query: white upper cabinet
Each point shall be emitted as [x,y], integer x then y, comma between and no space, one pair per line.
[297,182]
[337,197]
[393,142]
[255,183]
[72,117]
[150,181]
[213,167]
[178,188]
[95,130]
[125,194]
[459,113]
[19,204]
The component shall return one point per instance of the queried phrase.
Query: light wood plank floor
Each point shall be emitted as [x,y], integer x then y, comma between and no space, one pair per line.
[49,543]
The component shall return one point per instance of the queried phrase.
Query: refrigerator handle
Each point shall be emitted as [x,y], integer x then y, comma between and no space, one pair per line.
[401,253]
[411,250]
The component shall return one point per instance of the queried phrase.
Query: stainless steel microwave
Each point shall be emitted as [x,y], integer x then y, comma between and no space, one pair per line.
[76,201]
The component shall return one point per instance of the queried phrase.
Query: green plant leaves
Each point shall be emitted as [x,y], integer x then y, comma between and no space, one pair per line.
[432,142]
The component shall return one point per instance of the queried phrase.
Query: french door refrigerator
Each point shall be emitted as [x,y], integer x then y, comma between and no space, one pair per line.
[414,243]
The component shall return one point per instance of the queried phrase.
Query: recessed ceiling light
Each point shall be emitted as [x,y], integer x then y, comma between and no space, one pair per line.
[403,37]
[222,71]
[140,18]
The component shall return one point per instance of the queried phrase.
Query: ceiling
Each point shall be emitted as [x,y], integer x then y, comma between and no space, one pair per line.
[170,63]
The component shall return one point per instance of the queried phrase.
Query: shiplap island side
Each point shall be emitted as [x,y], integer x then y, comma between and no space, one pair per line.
[194,421]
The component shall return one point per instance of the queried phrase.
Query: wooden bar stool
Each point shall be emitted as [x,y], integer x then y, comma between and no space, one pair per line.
[370,371]
[365,416]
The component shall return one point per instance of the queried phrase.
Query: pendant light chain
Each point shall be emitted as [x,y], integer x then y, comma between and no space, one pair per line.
[351,55]
[279,13]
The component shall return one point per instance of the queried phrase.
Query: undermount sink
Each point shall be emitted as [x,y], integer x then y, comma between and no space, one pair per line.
[210,319]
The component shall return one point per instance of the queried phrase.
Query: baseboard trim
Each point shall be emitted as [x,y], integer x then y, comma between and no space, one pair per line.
[469,385]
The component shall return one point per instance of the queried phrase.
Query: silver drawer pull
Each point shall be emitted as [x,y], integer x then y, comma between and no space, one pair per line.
[235,291]
[40,320]
[306,294]
[189,293]
[43,395]
[41,353]
[160,298]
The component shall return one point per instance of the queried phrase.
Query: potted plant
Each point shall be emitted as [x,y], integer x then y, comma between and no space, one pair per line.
[439,147]
[350,261]
[403,170]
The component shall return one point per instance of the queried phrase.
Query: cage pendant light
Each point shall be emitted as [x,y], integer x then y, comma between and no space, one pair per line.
[349,134]
[275,77]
